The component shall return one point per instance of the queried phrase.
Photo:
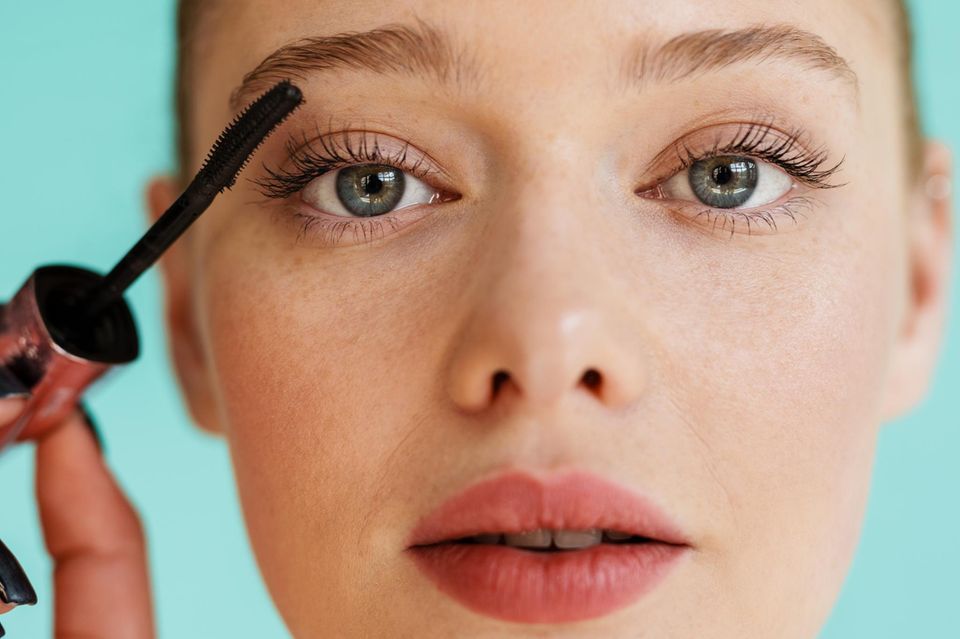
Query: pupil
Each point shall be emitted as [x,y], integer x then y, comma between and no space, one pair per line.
[722,174]
[371,184]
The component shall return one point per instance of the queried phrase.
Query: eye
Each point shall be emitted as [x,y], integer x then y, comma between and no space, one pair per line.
[367,190]
[729,182]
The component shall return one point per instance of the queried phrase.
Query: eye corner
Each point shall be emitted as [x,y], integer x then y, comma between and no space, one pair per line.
[654,192]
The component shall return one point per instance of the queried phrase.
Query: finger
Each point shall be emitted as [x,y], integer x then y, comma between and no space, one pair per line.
[101,582]
[13,400]
[10,409]
[12,397]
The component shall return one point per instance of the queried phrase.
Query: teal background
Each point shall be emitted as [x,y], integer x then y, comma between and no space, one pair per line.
[85,119]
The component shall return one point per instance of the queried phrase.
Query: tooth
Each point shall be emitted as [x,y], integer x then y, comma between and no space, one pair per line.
[616,535]
[536,539]
[577,538]
[487,538]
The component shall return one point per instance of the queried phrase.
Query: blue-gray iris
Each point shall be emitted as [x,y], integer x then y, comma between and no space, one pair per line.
[724,181]
[368,190]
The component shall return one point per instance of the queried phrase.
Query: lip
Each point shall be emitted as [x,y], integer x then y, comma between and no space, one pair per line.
[546,587]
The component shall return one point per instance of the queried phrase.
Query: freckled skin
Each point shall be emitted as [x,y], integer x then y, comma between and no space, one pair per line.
[745,379]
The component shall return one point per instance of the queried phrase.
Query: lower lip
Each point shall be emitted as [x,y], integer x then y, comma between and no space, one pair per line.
[547,587]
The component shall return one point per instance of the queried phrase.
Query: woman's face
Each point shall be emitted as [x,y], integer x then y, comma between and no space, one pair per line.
[577,194]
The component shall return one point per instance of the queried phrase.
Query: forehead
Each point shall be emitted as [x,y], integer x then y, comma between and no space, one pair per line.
[500,40]
[544,31]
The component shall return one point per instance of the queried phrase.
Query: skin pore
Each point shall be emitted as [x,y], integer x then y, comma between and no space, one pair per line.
[745,364]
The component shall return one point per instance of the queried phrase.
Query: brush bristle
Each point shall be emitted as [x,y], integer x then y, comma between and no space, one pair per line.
[233,149]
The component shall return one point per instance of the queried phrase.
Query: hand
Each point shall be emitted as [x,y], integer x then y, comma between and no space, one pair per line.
[93,534]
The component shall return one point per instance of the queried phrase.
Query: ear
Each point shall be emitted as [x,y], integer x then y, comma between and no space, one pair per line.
[929,254]
[184,339]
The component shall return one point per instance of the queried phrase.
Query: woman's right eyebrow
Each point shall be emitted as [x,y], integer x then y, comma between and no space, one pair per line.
[423,50]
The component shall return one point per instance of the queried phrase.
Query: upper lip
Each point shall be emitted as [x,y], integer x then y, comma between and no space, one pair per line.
[519,501]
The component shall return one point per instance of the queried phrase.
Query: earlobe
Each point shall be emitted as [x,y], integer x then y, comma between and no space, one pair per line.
[929,257]
[184,339]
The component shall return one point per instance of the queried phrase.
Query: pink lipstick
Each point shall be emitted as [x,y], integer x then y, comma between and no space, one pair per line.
[553,549]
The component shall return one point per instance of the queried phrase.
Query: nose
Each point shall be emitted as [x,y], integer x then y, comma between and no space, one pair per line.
[549,314]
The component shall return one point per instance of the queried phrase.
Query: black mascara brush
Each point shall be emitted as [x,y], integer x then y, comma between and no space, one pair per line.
[228,156]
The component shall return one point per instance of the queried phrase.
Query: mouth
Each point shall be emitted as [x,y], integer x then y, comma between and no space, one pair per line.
[547,540]
[536,549]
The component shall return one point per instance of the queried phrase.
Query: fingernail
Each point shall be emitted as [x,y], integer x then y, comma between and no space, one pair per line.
[10,386]
[15,587]
[92,425]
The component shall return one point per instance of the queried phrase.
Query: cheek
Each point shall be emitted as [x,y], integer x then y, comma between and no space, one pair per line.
[309,359]
[778,361]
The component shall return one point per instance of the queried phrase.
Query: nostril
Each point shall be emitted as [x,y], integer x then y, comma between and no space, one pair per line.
[591,378]
[498,379]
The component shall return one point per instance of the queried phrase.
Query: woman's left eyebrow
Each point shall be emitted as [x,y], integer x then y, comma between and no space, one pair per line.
[698,52]
[424,50]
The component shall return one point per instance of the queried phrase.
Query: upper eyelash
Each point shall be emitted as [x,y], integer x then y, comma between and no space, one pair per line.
[336,151]
[784,150]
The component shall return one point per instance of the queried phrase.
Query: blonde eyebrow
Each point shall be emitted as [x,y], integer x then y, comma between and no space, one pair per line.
[424,50]
[700,52]
[420,50]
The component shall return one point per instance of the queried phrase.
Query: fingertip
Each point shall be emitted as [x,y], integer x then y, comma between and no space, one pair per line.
[10,408]
[13,396]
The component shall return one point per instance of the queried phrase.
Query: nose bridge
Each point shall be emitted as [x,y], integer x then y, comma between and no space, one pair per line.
[546,317]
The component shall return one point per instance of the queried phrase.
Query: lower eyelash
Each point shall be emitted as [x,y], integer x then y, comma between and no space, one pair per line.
[331,232]
[722,218]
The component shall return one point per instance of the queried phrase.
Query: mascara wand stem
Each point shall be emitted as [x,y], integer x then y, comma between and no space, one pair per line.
[164,232]
[226,159]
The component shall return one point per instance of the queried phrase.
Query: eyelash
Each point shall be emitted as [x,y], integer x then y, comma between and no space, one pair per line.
[784,150]
[760,141]
[338,150]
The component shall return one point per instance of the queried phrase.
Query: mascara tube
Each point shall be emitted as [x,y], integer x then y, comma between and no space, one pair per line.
[55,353]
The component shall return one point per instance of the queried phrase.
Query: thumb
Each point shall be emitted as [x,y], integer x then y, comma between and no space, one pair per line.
[101,581]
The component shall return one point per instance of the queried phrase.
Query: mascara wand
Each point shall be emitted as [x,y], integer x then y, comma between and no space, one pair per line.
[226,159]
